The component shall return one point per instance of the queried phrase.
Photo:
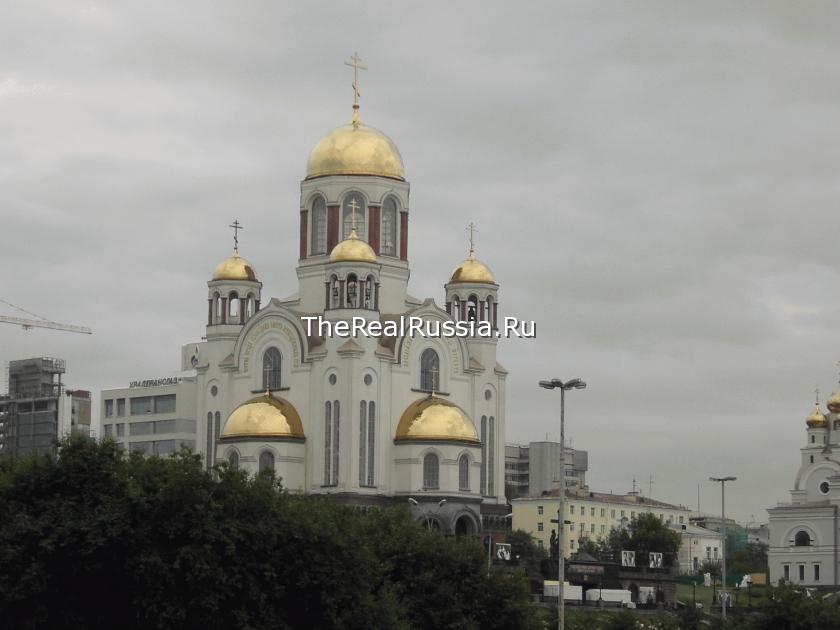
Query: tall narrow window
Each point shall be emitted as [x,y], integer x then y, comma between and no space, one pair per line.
[429,371]
[816,573]
[370,292]
[362,443]
[371,450]
[491,450]
[335,443]
[456,308]
[335,297]
[209,457]
[472,308]
[430,472]
[352,300]
[233,460]
[271,369]
[319,226]
[266,461]
[464,473]
[389,227]
[327,443]
[353,202]
[233,306]
[483,455]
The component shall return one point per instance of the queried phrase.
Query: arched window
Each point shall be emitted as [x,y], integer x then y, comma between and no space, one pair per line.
[802,539]
[371,449]
[352,291]
[353,202]
[319,226]
[429,371]
[389,227]
[271,369]
[249,306]
[233,305]
[491,460]
[266,461]
[233,460]
[218,307]
[431,472]
[335,297]
[209,457]
[464,473]
[331,443]
[362,443]
[370,292]
[456,308]
[472,308]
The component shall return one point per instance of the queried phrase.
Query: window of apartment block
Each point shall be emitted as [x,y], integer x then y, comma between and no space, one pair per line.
[540,510]
[592,528]
[571,527]
[591,511]
[540,543]
[612,513]
[571,509]
[108,429]
[120,429]
[602,529]
[141,405]
[120,406]
[109,408]
[165,404]
[539,527]
[603,512]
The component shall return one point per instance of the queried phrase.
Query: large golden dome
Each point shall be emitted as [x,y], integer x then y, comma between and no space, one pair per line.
[353,249]
[355,149]
[472,270]
[264,416]
[235,268]
[432,418]
[817,419]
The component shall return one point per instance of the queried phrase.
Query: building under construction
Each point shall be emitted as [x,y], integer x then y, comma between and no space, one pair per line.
[37,410]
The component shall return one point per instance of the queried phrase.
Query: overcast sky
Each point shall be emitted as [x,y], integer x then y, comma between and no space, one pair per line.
[656,185]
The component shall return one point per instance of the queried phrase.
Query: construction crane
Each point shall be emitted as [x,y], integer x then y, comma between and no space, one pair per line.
[41,322]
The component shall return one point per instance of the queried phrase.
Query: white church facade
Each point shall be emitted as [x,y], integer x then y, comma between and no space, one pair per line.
[377,420]
[805,533]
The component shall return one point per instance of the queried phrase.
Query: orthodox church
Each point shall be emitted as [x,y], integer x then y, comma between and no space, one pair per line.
[804,534]
[389,420]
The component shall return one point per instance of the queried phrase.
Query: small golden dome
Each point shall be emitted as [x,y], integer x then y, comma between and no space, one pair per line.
[833,403]
[355,149]
[235,268]
[353,249]
[432,418]
[472,270]
[816,420]
[264,416]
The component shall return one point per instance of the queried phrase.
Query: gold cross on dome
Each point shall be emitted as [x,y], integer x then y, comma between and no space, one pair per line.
[817,392]
[472,229]
[236,225]
[356,63]
[353,207]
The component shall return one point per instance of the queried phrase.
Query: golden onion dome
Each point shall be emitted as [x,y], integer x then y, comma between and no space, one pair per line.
[355,149]
[817,419]
[353,249]
[472,270]
[833,403]
[264,416]
[235,268]
[432,418]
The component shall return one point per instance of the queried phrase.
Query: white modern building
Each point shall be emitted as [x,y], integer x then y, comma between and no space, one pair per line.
[805,533]
[393,417]
[697,545]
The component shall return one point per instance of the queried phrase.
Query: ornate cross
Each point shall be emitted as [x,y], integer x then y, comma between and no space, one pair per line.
[353,207]
[236,225]
[356,63]
[817,392]
[472,229]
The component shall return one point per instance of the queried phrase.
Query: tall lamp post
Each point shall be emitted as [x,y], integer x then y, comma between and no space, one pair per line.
[723,481]
[427,513]
[556,383]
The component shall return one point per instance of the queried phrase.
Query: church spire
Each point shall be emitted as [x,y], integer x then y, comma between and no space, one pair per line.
[356,63]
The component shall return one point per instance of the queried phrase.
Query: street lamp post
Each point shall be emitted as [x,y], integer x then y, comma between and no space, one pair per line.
[428,513]
[723,481]
[556,383]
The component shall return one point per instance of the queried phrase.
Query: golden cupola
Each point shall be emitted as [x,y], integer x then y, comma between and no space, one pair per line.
[472,270]
[235,268]
[436,419]
[353,249]
[355,149]
[264,417]
[817,419]
[833,403]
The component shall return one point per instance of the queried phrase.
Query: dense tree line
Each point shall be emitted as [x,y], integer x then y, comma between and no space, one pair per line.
[100,539]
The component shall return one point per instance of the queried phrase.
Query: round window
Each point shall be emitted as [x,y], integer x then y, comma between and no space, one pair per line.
[824,487]
[488,394]
[214,390]
[333,379]
[368,379]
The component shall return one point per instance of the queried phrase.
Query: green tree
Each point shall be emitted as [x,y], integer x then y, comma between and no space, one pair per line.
[643,534]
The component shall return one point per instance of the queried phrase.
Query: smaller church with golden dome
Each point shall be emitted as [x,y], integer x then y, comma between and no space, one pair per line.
[805,533]
[415,421]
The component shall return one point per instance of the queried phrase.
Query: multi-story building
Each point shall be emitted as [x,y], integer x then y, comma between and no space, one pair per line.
[37,411]
[697,545]
[535,469]
[590,515]
[805,533]
[152,416]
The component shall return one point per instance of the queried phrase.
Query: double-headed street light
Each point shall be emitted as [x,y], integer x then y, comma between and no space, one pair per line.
[556,383]
[722,481]
[427,513]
